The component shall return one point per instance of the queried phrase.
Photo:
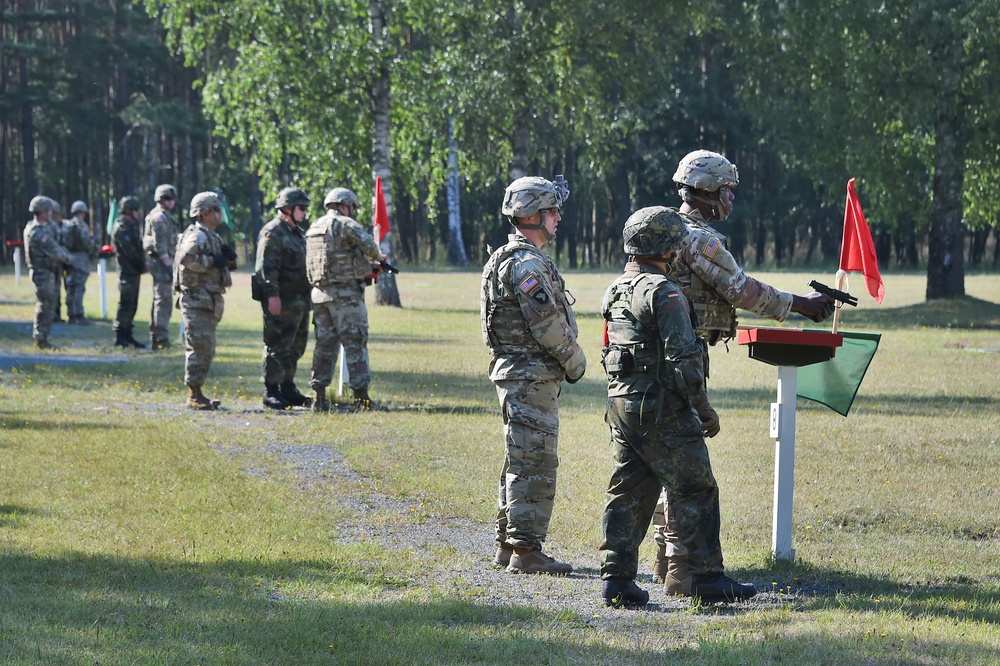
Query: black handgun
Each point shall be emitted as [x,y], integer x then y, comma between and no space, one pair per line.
[387,267]
[835,294]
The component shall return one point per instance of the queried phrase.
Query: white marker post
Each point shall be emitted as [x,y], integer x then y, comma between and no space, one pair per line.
[17,266]
[102,272]
[345,375]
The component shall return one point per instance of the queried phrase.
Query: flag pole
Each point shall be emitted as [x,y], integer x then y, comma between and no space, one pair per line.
[841,281]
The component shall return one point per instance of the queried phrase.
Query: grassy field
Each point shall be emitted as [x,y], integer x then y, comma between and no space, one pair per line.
[133,531]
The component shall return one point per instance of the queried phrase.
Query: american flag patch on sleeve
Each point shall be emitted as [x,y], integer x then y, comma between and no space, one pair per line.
[711,248]
[529,283]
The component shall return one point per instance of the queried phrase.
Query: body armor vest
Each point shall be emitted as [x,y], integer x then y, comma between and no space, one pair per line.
[215,279]
[328,259]
[715,317]
[640,356]
[505,330]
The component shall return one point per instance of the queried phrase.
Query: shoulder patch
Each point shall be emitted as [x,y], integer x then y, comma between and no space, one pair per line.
[528,284]
[711,247]
[532,288]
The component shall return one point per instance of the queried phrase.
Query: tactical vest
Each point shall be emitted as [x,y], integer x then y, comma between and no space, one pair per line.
[328,259]
[215,279]
[70,237]
[715,318]
[505,330]
[36,257]
[640,358]
[149,231]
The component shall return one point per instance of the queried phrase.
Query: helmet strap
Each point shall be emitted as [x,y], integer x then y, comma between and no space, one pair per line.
[540,225]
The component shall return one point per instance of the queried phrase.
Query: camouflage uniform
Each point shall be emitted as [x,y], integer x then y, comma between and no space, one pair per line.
[159,240]
[281,271]
[82,248]
[338,256]
[126,236]
[46,258]
[655,367]
[531,331]
[202,285]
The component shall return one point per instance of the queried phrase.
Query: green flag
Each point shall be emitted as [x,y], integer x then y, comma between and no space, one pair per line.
[834,383]
[227,215]
[112,216]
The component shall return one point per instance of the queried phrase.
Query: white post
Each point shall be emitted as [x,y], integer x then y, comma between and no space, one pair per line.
[783,429]
[102,272]
[180,338]
[17,266]
[345,375]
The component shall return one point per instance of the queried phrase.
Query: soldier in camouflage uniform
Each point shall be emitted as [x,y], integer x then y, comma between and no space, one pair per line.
[126,236]
[531,331]
[56,224]
[159,241]
[283,288]
[201,274]
[46,258]
[340,254]
[716,285]
[657,409]
[82,248]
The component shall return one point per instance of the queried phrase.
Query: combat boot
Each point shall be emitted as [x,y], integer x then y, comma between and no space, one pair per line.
[661,564]
[719,587]
[292,395]
[120,339]
[364,403]
[273,398]
[132,342]
[321,404]
[197,400]
[157,345]
[503,555]
[535,562]
[46,345]
[679,576]
[621,592]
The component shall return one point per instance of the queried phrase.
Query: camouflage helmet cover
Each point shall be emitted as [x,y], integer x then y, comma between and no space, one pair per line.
[705,170]
[203,202]
[129,203]
[526,196]
[164,191]
[654,232]
[340,195]
[291,196]
[56,208]
[40,204]
[78,207]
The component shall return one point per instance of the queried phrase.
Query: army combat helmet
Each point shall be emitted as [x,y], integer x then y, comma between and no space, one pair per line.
[129,203]
[341,195]
[78,207]
[655,231]
[701,174]
[291,196]
[203,202]
[164,192]
[526,196]
[40,204]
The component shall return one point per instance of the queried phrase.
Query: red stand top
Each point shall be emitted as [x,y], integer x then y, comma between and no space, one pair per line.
[15,243]
[790,346]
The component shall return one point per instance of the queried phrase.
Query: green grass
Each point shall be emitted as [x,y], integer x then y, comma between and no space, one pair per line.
[135,531]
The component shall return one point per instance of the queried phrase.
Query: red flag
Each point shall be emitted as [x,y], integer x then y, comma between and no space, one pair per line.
[858,251]
[381,222]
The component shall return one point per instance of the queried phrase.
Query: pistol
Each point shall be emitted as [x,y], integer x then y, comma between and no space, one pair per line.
[835,294]
[387,267]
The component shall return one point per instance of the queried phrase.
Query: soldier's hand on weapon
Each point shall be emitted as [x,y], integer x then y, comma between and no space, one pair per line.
[218,260]
[274,305]
[229,252]
[815,306]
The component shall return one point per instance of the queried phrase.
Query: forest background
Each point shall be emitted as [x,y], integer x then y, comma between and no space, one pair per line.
[449,100]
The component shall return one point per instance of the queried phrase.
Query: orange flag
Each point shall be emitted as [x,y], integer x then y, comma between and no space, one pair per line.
[858,251]
[381,222]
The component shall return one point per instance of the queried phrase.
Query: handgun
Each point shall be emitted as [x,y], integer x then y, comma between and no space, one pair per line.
[835,294]
[387,267]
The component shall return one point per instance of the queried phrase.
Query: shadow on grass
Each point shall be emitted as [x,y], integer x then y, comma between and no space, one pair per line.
[12,516]
[96,609]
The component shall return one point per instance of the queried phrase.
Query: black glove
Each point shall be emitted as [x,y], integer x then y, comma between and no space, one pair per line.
[228,252]
[573,381]
[218,260]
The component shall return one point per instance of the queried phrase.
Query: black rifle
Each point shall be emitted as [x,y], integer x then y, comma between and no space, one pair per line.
[388,268]
[835,294]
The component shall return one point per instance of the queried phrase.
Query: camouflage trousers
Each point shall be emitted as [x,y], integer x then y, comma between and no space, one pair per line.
[285,338]
[58,292]
[128,303]
[76,287]
[201,313]
[46,298]
[343,321]
[163,301]
[527,486]
[648,458]
[665,528]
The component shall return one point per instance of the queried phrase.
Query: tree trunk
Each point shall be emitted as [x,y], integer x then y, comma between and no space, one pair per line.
[386,293]
[946,238]
[456,246]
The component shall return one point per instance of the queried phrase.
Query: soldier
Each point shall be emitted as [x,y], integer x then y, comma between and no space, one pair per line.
[46,258]
[283,290]
[82,247]
[531,331]
[657,409]
[56,222]
[716,285]
[340,254]
[159,240]
[126,236]
[201,274]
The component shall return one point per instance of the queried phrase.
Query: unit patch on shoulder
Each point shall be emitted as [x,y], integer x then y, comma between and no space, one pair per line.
[711,248]
[531,287]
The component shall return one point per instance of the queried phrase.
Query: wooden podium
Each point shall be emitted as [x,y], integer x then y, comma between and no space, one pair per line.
[789,349]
